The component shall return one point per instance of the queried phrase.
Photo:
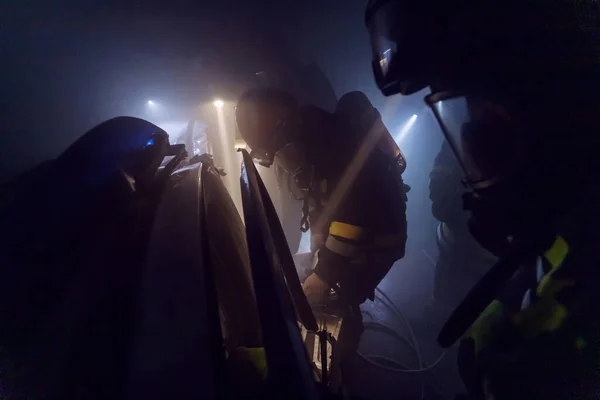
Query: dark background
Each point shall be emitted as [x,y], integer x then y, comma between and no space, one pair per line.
[68,65]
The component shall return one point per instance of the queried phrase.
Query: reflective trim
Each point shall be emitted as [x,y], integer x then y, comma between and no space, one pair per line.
[342,248]
[482,330]
[545,315]
[345,231]
[557,253]
[548,286]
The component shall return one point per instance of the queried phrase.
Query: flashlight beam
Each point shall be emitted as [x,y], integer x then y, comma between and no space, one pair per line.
[406,128]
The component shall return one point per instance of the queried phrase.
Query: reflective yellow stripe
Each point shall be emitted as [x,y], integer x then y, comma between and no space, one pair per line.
[346,231]
[250,362]
[482,329]
[545,315]
[557,253]
[549,286]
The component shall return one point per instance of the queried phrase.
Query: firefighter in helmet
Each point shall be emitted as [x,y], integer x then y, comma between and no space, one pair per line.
[355,243]
[515,90]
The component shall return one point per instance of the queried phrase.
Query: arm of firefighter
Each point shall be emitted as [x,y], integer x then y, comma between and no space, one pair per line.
[553,292]
[341,245]
[545,315]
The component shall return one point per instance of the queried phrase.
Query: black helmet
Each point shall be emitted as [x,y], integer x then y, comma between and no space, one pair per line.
[444,44]
[404,40]
[355,107]
[257,113]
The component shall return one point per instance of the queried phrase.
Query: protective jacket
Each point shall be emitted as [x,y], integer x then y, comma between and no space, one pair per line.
[363,231]
[539,338]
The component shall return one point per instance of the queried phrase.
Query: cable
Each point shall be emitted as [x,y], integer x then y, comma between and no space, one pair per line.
[397,367]
[393,365]
[402,318]
[413,337]
[384,328]
[372,359]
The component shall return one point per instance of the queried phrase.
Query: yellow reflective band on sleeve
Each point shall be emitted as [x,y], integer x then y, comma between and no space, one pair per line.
[346,231]
[557,253]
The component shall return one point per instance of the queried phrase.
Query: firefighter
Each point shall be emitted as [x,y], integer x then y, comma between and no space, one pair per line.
[461,261]
[514,88]
[356,243]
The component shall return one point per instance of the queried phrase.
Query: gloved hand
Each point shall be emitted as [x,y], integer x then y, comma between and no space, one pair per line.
[316,290]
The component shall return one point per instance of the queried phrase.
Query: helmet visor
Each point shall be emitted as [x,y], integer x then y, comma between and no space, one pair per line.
[398,42]
[480,133]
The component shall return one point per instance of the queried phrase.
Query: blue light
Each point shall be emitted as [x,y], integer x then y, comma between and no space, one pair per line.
[150,142]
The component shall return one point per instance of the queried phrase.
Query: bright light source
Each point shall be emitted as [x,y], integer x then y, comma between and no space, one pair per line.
[219,103]
[240,144]
[150,103]
[406,128]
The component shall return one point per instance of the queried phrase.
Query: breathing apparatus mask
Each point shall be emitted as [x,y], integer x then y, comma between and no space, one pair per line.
[486,141]
[291,158]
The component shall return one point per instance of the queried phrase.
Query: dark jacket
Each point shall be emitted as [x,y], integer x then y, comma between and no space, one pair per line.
[370,219]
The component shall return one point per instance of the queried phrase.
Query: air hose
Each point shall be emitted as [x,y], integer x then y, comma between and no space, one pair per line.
[391,365]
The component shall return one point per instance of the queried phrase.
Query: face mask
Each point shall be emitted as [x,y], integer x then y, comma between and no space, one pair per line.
[292,158]
[485,142]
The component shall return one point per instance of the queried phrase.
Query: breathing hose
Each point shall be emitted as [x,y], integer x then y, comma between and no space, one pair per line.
[391,365]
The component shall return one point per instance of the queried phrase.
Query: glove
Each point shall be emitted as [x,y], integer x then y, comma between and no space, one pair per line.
[316,290]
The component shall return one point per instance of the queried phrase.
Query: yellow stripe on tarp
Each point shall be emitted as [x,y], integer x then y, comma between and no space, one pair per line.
[346,231]
[557,253]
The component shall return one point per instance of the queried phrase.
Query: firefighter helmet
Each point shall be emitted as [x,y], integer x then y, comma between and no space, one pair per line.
[257,113]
